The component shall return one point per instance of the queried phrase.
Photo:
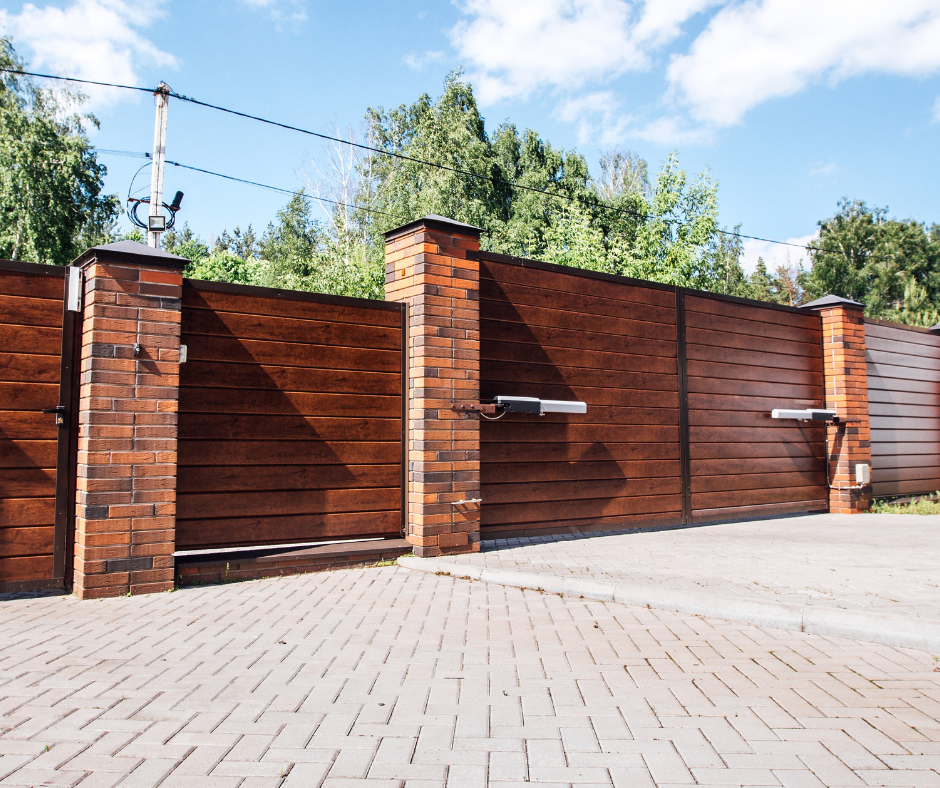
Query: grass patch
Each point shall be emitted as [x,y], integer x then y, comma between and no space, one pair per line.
[926,505]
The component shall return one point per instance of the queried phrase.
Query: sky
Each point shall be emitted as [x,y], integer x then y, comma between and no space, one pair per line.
[789,104]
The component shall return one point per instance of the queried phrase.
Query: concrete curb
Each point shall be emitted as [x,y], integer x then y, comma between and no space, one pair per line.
[884,628]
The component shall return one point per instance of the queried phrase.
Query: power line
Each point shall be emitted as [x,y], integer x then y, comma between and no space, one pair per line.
[361,146]
[136,155]
[380,151]
[73,79]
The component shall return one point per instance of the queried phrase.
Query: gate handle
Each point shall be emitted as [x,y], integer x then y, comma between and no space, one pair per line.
[60,413]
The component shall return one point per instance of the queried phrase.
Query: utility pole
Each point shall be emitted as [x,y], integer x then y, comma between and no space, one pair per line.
[156,226]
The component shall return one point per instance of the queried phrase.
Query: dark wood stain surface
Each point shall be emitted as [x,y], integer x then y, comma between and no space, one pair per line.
[553,335]
[904,408]
[30,359]
[744,361]
[290,420]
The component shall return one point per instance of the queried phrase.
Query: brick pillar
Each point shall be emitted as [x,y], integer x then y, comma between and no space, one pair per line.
[427,267]
[843,324]
[125,519]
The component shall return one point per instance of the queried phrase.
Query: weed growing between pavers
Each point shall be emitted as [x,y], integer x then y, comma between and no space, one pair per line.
[927,505]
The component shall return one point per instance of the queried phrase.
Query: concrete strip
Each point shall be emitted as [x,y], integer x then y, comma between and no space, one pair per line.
[888,629]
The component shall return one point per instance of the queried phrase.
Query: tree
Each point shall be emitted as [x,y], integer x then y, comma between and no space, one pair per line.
[677,243]
[51,202]
[891,266]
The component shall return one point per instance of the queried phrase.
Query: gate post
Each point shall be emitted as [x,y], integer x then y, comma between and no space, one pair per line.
[125,518]
[846,373]
[427,267]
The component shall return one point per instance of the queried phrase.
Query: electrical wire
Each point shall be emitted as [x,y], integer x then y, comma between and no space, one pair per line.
[571,198]
[133,154]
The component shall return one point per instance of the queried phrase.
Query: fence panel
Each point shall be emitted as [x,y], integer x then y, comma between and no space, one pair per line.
[743,361]
[904,408]
[555,334]
[290,426]
[31,320]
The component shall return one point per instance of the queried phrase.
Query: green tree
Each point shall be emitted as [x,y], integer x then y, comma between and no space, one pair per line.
[51,202]
[891,266]
[678,243]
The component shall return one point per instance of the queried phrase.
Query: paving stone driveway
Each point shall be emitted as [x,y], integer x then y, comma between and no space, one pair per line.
[884,563]
[387,677]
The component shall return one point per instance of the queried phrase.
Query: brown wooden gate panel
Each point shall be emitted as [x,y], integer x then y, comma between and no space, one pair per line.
[552,333]
[744,360]
[903,407]
[290,424]
[31,319]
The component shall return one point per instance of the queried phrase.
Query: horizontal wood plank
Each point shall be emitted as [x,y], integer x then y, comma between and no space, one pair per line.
[251,531]
[26,541]
[208,453]
[506,273]
[572,301]
[289,478]
[260,305]
[284,329]
[495,331]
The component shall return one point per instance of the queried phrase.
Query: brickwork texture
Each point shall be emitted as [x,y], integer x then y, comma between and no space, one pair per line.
[427,267]
[126,467]
[847,392]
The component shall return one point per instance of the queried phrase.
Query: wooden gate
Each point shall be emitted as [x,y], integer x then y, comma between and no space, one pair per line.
[743,360]
[566,334]
[39,340]
[679,387]
[904,408]
[291,417]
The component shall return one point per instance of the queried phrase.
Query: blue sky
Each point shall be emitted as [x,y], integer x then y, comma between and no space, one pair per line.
[791,104]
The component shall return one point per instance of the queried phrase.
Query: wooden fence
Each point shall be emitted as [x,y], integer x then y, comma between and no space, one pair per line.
[679,387]
[904,408]
[36,487]
[290,425]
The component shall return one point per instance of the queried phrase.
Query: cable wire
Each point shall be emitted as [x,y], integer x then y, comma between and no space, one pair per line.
[571,198]
[133,154]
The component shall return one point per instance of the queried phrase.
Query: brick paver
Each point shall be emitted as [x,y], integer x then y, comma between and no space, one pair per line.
[880,563]
[385,677]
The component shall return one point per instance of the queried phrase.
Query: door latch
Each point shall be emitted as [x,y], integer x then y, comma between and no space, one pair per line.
[60,413]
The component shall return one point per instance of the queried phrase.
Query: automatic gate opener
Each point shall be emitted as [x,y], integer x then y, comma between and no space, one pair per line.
[60,413]
[811,414]
[539,407]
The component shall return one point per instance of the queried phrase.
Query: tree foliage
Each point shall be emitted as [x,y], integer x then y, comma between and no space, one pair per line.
[891,266]
[51,202]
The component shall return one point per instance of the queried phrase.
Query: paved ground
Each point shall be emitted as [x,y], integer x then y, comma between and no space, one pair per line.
[888,563]
[385,677]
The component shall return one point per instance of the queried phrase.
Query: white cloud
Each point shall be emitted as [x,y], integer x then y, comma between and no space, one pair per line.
[672,131]
[762,49]
[597,115]
[824,169]
[750,51]
[417,62]
[281,10]
[775,255]
[516,48]
[89,39]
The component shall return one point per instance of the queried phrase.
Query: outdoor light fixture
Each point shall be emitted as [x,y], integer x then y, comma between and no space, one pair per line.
[811,414]
[156,224]
[539,407]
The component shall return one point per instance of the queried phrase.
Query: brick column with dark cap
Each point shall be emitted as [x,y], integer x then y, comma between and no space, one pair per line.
[849,443]
[125,517]
[427,267]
